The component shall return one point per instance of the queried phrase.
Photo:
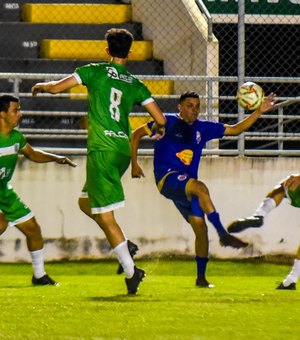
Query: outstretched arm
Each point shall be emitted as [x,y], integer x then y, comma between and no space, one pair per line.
[136,170]
[250,120]
[39,156]
[55,86]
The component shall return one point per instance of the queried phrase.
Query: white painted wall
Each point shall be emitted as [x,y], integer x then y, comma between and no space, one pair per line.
[180,38]
[237,185]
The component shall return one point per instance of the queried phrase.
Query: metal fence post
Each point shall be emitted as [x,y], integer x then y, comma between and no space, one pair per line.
[241,66]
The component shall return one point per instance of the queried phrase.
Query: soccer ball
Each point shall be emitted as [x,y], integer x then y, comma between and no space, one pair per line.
[250,96]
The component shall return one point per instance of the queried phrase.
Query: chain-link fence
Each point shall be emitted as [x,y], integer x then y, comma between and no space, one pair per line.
[208,46]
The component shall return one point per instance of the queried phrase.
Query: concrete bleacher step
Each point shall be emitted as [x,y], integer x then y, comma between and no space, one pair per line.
[83,13]
[147,67]
[71,124]
[27,36]
[11,10]
[90,49]
[55,103]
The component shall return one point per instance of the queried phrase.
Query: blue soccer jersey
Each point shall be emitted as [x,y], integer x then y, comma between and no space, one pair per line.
[181,147]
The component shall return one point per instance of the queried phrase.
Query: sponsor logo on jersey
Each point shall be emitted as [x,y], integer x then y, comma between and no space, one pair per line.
[4,172]
[112,73]
[185,156]
[116,134]
[181,177]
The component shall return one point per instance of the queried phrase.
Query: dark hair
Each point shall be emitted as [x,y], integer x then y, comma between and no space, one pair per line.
[119,42]
[5,101]
[188,94]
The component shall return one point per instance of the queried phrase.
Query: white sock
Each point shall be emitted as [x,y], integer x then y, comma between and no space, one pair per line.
[293,274]
[125,259]
[265,207]
[38,263]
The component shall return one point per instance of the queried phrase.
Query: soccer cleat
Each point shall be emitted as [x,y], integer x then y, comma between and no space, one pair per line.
[203,283]
[291,286]
[228,240]
[244,223]
[133,283]
[44,281]
[133,248]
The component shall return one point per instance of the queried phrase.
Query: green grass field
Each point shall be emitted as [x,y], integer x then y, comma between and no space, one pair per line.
[91,302]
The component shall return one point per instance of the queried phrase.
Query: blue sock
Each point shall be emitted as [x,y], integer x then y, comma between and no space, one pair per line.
[214,219]
[201,265]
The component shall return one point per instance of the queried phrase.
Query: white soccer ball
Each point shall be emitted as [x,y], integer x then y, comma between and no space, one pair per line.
[250,96]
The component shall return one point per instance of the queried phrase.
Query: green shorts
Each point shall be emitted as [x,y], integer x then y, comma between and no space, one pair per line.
[294,197]
[103,185]
[14,210]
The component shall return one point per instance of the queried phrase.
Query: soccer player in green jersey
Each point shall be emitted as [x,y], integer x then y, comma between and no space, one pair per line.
[13,212]
[289,189]
[112,92]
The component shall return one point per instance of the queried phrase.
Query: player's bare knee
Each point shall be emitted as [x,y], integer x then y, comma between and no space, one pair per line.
[30,229]
[3,224]
[201,189]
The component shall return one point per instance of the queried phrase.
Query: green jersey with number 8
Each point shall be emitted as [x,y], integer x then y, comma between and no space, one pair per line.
[112,92]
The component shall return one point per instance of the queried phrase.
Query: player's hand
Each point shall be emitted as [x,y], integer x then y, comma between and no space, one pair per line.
[136,171]
[158,131]
[65,160]
[37,88]
[268,103]
[292,182]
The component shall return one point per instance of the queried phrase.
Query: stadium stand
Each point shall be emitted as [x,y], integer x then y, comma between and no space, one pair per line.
[56,38]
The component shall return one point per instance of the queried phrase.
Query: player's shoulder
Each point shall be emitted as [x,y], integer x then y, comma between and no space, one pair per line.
[172,117]
[15,136]
[94,66]
[205,122]
[15,133]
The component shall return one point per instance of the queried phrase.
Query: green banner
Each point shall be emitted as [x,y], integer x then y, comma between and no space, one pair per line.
[274,7]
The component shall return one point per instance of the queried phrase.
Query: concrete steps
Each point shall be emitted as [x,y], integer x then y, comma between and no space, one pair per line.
[83,13]
[90,49]
[27,37]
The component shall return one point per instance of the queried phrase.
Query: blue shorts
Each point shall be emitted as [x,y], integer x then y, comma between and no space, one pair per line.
[173,186]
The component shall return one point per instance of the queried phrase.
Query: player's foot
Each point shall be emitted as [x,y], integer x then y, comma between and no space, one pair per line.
[291,286]
[228,240]
[133,249]
[44,281]
[203,283]
[244,223]
[133,283]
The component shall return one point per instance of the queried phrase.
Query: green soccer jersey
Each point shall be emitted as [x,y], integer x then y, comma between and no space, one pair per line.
[112,92]
[9,148]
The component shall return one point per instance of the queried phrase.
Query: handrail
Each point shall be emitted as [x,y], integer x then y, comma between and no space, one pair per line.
[206,13]
[292,80]
[279,116]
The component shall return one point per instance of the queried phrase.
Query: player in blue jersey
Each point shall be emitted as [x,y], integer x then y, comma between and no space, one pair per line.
[176,160]
[13,212]
[289,189]
[112,92]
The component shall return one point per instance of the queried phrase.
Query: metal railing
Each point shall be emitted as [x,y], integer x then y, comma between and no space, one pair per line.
[280,115]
